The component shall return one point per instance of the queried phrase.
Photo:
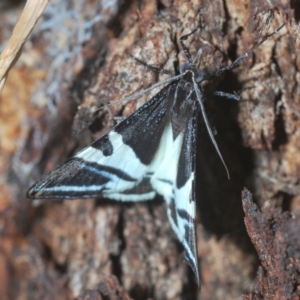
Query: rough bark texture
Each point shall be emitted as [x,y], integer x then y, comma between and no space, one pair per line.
[75,61]
[275,236]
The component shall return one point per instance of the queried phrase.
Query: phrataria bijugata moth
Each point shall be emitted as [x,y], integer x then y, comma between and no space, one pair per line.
[152,152]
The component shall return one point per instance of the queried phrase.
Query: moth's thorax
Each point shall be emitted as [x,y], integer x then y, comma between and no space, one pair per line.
[184,104]
[189,69]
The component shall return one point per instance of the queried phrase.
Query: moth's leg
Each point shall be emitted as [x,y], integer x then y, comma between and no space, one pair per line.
[227,95]
[151,67]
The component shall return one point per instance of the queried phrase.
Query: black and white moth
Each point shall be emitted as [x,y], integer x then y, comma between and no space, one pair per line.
[152,152]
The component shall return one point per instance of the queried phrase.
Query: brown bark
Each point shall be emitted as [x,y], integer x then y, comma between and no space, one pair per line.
[275,236]
[75,61]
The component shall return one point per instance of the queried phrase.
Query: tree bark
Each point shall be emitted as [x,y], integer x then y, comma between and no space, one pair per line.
[78,59]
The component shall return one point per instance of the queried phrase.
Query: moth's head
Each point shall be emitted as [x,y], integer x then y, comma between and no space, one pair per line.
[198,73]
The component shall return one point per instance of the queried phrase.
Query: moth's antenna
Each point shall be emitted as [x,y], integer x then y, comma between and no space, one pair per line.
[197,58]
[136,95]
[211,135]
[246,55]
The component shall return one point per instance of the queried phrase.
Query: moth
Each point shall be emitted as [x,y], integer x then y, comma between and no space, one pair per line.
[152,152]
